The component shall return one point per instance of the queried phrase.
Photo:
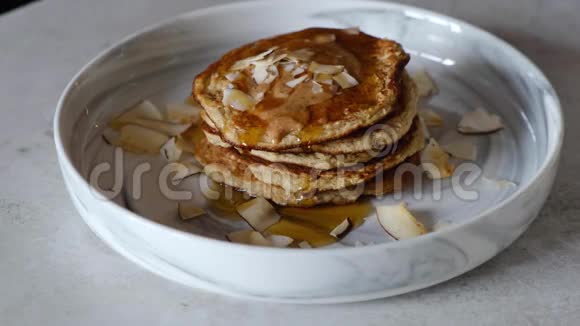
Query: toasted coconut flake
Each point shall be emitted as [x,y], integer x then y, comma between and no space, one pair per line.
[170,151]
[462,149]
[138,139]
[244,63]
[297,71]
[249,237]
[431,118]
[352,30]
[270,60]
[237,99]
[110,136]
[288,66]
[317,88]
[272,74]
[323,79]
[324,38]
[260,74]
[190,168]
[398,222]
[340,230]
[294,82]
[301,55]
[233,76]
[259,213]
[304,245]
[479,121]
[425,84]
[435,161]
[181,113]
[143,110]
[318,68]
[168,128]
[280,241]
[345,80]
[188,211]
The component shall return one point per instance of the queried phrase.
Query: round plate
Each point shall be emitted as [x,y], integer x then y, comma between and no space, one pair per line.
[483,214]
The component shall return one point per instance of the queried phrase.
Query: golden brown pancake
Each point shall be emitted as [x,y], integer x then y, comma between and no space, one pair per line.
[282,117]
[298,180]
[360,147]
[236,175]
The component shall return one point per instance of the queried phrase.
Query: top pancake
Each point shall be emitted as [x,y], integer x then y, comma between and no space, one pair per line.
[313,111]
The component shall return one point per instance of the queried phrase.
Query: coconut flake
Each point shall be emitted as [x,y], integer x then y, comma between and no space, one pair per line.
[294,82]
[288,66]
[431,118]
[324,38]
[272,74]
[462,149]
[170,151]
[304,245]
[280,241]
[340,230]
[188,211]
[435,161]
[244,63]
[181,113]
[479,121]
[237,99]
[398,222]
[138,139]
[168,128]
[425,84]
[233,76]
[352,30]
[249,237]
[297,71]
[324,79]
[270,60]
[260,74]
[110,136]
[190,169]
[259,213]
[316,88]
[143,110]
[319,68]
[345,80]
[301,55]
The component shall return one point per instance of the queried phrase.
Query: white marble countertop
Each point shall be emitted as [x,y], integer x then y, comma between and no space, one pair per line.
[54,271]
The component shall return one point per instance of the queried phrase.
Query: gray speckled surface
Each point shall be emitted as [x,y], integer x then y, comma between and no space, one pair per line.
[54,271]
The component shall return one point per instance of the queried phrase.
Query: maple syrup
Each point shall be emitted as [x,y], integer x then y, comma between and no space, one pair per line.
[314,224]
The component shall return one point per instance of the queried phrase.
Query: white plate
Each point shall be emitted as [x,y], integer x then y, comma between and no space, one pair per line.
[472,68]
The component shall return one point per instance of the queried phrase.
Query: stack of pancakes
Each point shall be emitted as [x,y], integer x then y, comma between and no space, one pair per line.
[311,117]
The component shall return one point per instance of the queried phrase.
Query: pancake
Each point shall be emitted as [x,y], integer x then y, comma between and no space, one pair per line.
[360,148]
[297,180]
[311,112]
[235,175]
